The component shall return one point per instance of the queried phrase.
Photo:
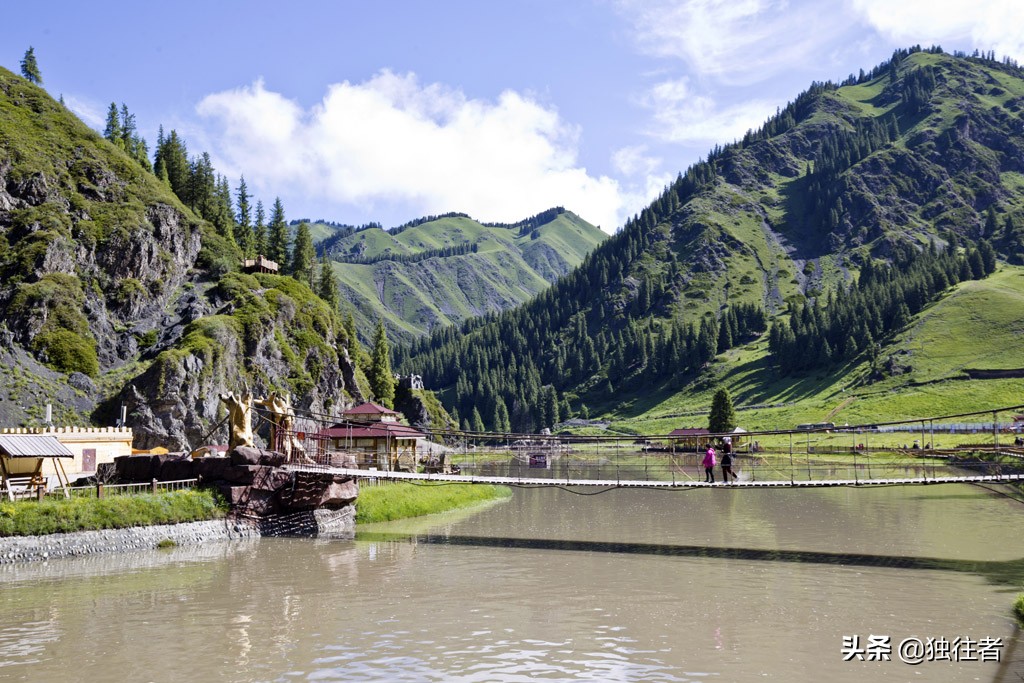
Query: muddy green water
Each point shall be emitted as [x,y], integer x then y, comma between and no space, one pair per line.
[628,585]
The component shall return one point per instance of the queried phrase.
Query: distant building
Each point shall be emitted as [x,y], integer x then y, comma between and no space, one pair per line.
[690,438]
[373,434]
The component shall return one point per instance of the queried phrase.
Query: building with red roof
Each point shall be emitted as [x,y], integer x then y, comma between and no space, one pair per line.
[373,434]
[370,412]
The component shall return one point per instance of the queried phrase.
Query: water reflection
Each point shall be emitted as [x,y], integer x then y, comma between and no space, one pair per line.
[1010,573]
[628,585]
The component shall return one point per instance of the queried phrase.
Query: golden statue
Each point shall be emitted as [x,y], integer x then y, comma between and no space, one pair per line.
[240,419]
[283,418]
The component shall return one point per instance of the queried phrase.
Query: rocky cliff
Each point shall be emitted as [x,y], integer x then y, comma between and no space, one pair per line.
[114,293]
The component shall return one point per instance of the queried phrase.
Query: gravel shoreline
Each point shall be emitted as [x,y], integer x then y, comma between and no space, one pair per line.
[310,523]
[15,549]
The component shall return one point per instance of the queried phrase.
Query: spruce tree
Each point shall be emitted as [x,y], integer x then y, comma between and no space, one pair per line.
[501,421]
[112,130]
[259,229]
[350,332]
[277,240]
[243,220]
[172,158]
[29,67]
[382,381]
[476,422]
[722,419]
[549,407]
[303,256]
[327,283]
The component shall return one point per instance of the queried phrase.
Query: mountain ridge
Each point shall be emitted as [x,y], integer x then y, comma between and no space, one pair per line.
[843,176]
[443,270]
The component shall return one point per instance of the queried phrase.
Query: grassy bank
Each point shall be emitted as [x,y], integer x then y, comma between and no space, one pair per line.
[389,502]
[60,515]
[1018,608]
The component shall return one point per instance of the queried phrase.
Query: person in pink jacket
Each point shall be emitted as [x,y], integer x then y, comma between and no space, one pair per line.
[709,465]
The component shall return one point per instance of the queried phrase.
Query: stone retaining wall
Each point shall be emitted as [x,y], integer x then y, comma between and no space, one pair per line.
[55,546]
[319,523]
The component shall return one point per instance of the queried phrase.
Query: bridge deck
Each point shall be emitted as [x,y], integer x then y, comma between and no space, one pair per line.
[659,484]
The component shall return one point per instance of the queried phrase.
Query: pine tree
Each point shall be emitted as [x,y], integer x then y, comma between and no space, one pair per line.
[277,241]
[29,67]
[476,422]
[259,229]
[112,131]
[549,407]
[724,335]
[327,283]
[243,220]
[303,255]
[382,381]
[350,332]
[501,421]
[172,158]
[223,217]
[722,419]
[203,187]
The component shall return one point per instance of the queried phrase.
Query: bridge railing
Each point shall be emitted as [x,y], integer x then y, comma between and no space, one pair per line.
[599,462]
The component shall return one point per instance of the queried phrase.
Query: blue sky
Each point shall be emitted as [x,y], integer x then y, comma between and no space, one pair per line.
[387,111]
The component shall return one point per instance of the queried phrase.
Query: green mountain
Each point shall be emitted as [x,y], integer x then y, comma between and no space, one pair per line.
[443,270]
[113,293]
[116,293]
[845,224]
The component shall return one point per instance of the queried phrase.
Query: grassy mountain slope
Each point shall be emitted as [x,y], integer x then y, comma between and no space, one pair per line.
[976,326]
[926,149]
[404,278]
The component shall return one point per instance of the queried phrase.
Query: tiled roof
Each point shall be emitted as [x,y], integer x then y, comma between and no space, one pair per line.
[377,430]
[370,409]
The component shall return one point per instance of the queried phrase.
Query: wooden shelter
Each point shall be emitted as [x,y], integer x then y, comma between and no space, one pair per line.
[260,264]
[21,462]
[690,438]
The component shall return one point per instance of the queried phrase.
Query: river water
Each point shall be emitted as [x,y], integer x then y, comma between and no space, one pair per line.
[625,585]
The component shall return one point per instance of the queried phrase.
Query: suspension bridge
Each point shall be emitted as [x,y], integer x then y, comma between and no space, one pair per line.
[535,482]
[811,456]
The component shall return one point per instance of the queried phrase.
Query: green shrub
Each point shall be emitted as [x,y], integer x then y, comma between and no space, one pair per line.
[1018,609]
[127,290]
[148,339]
[66,351]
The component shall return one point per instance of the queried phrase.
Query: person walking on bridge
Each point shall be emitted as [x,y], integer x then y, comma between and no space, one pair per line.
[727,460]
[709,465]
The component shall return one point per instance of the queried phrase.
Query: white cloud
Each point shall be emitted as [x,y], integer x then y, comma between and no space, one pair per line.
[736,41]
[646,174]
[634,160]
[393,139]
[683,116]
[88,111]
[987,24]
